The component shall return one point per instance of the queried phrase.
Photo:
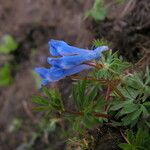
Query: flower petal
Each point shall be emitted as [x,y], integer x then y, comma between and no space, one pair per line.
[67,62]
[61,48]
[101,49]
[56,74]
[77,69]
[43,72]
[44,82]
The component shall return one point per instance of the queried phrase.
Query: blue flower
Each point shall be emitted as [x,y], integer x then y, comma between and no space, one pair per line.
[61,48]
[55,74]
[71,56]
[70,60]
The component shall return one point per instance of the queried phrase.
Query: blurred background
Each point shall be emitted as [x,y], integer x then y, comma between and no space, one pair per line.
[26,26]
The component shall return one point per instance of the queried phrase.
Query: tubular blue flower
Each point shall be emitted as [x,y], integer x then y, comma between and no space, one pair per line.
[55,74]
[70,61]
[67,62]
[61,48]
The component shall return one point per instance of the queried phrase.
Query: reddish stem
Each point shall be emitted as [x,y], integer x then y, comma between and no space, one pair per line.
[96,65]
[108,92]
[111,83]
[94,114]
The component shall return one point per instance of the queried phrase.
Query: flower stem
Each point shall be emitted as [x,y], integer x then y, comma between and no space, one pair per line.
[82,114]
[110,83]
[96,65]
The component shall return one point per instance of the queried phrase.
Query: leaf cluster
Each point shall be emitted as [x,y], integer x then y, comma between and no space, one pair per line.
[110,90]
[8,44]
[88,101]
[98,11]
[136,141]
[113,66]
[101,42]
[135,109]
[52,101]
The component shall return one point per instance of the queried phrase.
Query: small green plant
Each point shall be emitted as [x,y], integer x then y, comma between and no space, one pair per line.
[8,44]
[136,141]
[135,108]
[98,42]
[98,11]
[52,102]
[110,93]
[5,75]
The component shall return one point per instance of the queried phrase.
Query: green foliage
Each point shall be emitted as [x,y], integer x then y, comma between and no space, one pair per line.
[98,11]
[111,93]
[5,75]
[113,66]
[101,42]
[8,44]
[52,101]
[138,141]
[136,107]
[88,102]
[130,113]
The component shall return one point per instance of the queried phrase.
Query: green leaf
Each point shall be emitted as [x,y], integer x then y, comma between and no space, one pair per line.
[54,98]
[119,104]
[145,111]
[77,125]
[130,137]
[128,109]
[8,44]
[5,75]
[136,141]
[101,42]
[90,121]
[146,104]
[98,12]
[130,118]
[42,108]
[125,146]
[40,100]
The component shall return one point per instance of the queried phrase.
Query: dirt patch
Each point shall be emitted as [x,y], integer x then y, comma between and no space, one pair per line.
[33,23]
[130,34]
[107,138]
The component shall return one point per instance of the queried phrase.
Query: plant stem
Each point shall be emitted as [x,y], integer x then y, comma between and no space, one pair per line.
[104,81]
[96,65]
[107,97]
[82,114]
[117,91]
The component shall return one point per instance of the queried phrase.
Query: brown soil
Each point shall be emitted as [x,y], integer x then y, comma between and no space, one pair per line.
[129,31]
[33,23]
